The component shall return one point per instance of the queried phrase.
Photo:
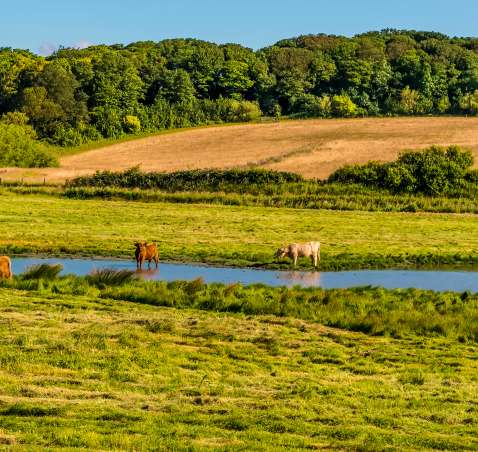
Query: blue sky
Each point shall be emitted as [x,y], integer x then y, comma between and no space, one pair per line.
[43,25]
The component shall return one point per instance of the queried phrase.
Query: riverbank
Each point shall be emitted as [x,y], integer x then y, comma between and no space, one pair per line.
[436,280]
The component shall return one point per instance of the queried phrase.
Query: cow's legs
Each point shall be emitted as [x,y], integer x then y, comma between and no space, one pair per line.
[295,260]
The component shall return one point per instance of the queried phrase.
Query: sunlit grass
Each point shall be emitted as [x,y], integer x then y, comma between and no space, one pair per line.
[234,235]
[82,372]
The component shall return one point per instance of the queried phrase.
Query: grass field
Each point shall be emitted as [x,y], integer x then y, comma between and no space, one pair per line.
[313,148]
[83,372]
[234,235]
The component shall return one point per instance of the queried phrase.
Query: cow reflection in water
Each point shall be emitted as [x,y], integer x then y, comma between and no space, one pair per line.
[308,279]
[150,273]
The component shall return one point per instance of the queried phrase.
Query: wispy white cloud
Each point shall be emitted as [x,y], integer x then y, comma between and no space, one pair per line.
[47,48]
[82,44]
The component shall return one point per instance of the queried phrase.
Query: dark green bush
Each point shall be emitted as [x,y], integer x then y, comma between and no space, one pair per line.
[195,180]
[433,171]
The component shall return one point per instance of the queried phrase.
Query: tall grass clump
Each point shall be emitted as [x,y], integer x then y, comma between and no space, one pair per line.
[110,277]
[43,271]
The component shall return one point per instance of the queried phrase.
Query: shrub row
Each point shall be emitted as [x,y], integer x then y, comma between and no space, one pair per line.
[195,180]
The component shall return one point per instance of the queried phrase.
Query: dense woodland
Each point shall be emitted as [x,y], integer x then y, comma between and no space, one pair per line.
[75,96]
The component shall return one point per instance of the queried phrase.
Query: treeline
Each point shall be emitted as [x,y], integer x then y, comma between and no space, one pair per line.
[75,96]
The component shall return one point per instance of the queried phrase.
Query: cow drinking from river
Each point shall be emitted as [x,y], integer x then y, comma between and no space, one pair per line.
[146,252]
[296,250]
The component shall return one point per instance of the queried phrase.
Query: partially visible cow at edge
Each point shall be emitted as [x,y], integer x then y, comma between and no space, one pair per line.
[145,252]
[296,250]
[5,268]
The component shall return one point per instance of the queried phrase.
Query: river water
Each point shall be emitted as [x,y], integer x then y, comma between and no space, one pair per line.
[439,280]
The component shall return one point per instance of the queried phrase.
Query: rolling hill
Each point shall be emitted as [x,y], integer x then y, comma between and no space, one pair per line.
[313,148]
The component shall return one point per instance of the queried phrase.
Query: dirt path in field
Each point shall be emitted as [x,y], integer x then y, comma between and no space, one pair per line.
[313,148]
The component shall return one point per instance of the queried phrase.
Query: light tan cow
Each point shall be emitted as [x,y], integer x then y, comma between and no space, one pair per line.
[296,250]
[5,268]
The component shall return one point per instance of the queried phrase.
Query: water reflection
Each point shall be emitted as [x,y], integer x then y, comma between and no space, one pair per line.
[305,279]
[151,274]
[456,281]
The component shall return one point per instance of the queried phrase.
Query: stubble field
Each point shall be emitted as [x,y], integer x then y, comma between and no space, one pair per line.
[313,148]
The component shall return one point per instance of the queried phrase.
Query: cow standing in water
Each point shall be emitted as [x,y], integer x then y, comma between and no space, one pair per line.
[5,268]
[145,252]
[296,250]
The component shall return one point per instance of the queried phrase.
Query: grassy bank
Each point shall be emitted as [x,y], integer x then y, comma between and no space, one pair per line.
[83,371]
[432,185]
[234,235]
[330,197]
[374,311]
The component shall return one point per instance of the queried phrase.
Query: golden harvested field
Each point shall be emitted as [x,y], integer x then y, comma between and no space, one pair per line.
[313,148]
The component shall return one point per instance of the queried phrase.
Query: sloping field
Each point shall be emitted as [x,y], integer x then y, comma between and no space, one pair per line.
[313,148]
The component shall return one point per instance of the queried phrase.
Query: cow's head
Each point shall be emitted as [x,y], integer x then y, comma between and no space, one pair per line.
[280,253]
[139,245]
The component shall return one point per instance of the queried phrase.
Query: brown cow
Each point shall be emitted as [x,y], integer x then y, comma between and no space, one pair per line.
[145,252]
[296,250]
[5,268]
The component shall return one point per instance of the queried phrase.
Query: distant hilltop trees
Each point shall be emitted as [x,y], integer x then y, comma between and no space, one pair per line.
[75,96]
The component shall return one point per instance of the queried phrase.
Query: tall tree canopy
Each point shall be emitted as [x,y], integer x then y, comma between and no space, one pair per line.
[75,95]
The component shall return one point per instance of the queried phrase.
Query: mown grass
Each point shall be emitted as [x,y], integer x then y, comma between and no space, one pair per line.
[79,371]
[234,235]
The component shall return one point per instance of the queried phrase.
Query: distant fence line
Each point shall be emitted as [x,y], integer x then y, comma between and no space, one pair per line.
[25,182]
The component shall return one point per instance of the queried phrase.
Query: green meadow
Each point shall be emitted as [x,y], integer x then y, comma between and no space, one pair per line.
[82,371]
[234,235]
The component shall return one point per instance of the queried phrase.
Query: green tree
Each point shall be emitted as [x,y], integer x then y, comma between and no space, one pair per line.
[343,106]
[233,80]
[175,86]
[469,103]
[62,86]
[45,114]
[19,147]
